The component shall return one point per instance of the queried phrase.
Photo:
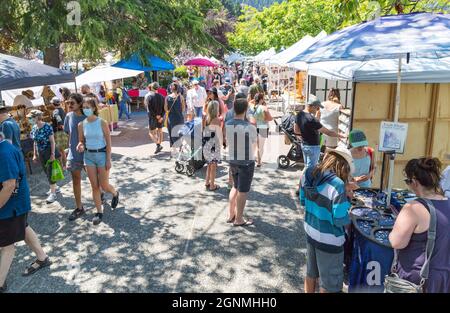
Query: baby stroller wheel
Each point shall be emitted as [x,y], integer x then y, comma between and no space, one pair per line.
[190,170]
[179,168]
[283,162]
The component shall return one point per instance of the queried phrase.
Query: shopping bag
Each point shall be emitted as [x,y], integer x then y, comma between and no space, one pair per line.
[57,171]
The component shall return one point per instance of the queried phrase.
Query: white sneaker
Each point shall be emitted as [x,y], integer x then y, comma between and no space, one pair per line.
[58,190]
[51,198]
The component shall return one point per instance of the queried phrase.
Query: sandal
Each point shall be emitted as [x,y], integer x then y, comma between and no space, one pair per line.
[246,223]
[215,188]
[207,186]
[41,264]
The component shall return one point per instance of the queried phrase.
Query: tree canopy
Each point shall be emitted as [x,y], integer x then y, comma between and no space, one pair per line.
[159,27]
[283,24]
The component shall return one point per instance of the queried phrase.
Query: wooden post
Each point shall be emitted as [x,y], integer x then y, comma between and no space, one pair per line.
[433,118]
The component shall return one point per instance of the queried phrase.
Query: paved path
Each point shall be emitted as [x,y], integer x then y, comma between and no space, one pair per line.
[168,234]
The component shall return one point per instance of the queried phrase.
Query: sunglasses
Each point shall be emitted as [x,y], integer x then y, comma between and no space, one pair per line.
[408,181]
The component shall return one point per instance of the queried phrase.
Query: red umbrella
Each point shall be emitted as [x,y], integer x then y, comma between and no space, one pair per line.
[200,62]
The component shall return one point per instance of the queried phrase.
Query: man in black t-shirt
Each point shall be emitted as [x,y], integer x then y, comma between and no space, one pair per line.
[308,128]
[154,103]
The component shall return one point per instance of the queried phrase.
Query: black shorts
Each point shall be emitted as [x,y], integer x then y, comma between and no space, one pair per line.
[242,176]
[154,124]
[12,230]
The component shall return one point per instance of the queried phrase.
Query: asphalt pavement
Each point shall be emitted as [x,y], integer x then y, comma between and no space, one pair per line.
[168,233]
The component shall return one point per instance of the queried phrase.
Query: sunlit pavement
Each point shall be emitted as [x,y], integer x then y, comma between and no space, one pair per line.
[168,233]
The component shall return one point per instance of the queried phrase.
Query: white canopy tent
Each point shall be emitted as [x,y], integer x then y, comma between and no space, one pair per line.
[102,73]
[302,46]
[282,58]
[265,55]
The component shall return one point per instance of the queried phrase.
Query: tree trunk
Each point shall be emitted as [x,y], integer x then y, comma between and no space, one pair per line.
[52,56]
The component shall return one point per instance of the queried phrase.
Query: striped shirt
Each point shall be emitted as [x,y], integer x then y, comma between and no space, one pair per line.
[327,208]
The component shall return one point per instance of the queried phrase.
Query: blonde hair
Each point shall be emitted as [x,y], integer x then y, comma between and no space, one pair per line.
[212,111]
[335,163]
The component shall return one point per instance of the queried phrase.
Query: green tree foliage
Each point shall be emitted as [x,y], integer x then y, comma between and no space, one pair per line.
[357,11]
[258,4]
[159,27]
[283,24]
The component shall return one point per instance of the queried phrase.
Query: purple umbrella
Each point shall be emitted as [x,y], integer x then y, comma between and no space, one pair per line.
[200,62]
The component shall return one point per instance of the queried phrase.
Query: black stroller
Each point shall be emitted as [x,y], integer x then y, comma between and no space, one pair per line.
[295,153]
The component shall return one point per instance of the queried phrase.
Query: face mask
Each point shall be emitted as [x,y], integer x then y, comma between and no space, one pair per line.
[32,121]
[88,112]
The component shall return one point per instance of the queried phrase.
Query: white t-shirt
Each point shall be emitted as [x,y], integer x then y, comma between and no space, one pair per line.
[196,98]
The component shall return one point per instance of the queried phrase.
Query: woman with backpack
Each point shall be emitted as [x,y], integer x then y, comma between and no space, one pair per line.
[263,117]
[363,158]
[174,107]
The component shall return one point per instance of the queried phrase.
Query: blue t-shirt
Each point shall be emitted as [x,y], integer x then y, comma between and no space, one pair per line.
[71,127]
[11,131]
[13,167]
[41,136]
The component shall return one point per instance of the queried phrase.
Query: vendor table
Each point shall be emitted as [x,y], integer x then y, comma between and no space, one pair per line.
[369,254]
[137,97]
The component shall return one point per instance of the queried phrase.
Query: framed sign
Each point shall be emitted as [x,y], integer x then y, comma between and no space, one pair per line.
[393,137]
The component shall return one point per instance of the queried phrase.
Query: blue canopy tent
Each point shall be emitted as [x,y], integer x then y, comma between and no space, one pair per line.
[154,64]
[414,37]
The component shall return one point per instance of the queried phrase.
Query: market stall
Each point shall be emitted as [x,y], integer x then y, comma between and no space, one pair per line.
[17,73]
[414,46]
[149,64]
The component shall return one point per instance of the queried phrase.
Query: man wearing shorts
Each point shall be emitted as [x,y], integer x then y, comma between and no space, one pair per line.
[241,138]
[15,203]
[155,108]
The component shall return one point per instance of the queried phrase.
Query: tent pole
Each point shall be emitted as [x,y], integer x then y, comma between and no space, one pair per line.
[396,115]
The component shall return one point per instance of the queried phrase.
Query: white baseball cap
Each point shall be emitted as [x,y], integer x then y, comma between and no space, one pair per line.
[346,154]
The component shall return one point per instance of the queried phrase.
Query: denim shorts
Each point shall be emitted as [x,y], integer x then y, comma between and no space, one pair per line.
[311,155]
[95,159]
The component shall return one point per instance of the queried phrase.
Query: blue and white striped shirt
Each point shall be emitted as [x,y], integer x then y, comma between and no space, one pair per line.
[327,208]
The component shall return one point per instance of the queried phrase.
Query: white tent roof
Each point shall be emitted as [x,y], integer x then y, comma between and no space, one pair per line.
[417,71]
[234,58]
[264,55]
[300,46]
[102,73]
[282,58]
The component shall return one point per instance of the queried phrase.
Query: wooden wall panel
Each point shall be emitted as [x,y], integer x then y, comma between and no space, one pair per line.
[372,105]
[371,101]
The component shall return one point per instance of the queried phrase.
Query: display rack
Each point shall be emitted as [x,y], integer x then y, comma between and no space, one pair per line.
[344,125]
